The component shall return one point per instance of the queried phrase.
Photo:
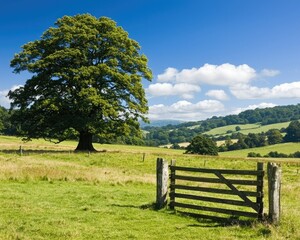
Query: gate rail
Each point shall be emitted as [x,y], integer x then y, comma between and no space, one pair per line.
[185,187]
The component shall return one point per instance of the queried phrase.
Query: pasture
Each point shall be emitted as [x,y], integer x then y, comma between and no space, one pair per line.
[281,148]
[246,128]
[50,192]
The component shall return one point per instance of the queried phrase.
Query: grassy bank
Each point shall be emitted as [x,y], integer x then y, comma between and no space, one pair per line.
[52,193]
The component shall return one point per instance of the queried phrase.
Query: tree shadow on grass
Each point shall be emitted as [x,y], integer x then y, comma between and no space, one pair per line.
[149,206]
[44,151]
[213,221]
[203,221]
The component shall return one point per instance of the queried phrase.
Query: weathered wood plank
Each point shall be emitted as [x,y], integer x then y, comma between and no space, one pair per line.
[210,199]
[221,179]
[237,192]
[216,210]
[172,182]
[260,188]
[222,171]
[214,190]
[274,182]
[161,182]
[217,180]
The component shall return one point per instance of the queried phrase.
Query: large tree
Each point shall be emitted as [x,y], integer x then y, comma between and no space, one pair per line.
[293,132]
[202,145]
[86,79]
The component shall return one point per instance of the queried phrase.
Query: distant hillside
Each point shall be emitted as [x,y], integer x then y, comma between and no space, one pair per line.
[286,148]
[245,128]
[184,132]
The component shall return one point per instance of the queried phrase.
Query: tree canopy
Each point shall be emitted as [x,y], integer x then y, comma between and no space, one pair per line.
[293,132]
[86,80]
[6,127]
[274,136]
[202,145]
[3,118]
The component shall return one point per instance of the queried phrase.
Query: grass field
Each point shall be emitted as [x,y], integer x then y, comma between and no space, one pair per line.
[281,148]
[246,128]
[52,193]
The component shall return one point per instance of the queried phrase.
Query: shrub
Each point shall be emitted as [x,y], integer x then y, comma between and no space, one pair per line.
[253,154]
[202,145]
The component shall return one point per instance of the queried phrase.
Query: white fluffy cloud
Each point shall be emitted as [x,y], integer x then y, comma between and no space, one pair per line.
[251,107]
[169,75]
[186,83]
[4,100]
[237,79]
[222,75]
[183,90]
[269,73]
[217,94]
[184,110]
[285,90]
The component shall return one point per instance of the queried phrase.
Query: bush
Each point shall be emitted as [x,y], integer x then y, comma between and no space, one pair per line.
[293,132]
[253,154]
[202,145]
[297,154]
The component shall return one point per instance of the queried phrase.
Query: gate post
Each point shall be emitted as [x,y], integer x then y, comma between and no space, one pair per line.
[162,175]
[274,184]
[172,185]
[259,189]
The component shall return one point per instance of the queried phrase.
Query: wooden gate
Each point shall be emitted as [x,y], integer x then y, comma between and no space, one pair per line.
[217,194]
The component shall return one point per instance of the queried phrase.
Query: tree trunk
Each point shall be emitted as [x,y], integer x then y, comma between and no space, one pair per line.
[85,142]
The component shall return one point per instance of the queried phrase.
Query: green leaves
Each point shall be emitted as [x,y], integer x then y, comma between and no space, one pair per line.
[87,76]
[202,145]
[293,132]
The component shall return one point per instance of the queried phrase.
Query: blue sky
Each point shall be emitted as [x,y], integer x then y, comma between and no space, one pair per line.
[208,57]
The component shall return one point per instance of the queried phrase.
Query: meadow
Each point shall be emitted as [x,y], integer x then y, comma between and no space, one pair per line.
[246,128]
[286,148]
[50,192]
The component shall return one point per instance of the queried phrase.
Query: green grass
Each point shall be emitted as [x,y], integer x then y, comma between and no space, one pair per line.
[281,148]
[223,130]
[246,128]
[52,193]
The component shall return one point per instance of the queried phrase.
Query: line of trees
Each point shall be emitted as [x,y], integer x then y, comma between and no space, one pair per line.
[271,137]
[275,154]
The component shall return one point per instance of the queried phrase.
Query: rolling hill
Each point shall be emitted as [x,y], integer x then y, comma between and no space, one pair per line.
[286,148]
[245,128]
[250,121]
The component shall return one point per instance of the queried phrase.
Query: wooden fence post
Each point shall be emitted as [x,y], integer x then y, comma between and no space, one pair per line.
[162,175]
[172,187]
[259,189]
[274,182]
[21,151]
